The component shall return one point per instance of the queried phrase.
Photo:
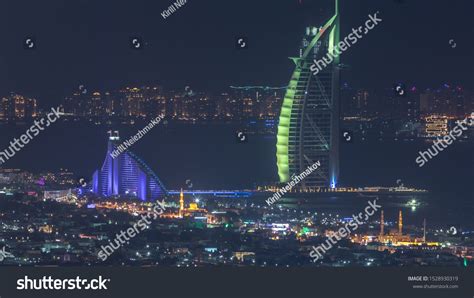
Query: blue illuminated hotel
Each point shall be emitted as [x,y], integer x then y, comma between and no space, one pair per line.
[126,175]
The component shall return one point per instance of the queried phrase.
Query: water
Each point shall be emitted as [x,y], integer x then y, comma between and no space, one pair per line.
[211,158]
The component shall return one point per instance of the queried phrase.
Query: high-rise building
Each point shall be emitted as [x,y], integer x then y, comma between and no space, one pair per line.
[78,104]
[447,100]
[257,102]
[404,108]
[126,175]
[155,101]
[436,126]
[113,104]
[17,107]
[271,104]
[205,107]
[308,128]
[4,108]
[97,106]
[348,104]
[133,101]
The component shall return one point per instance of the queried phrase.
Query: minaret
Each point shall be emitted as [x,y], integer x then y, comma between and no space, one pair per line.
[424,230]
[181,203]
[381,225]
[400,222]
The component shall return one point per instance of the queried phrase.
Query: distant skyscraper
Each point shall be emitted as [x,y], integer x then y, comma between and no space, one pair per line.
[308,129]
[125,175]
[18,107]
[78,104]
[97,105]
[4,107]
[362,103]
[258,102]
[154,101]
[447,100]
[133,101]
[347,95]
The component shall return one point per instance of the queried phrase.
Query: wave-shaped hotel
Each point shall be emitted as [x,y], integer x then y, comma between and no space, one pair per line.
[126,175]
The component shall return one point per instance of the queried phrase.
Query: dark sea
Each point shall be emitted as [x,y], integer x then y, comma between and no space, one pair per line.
[211,158]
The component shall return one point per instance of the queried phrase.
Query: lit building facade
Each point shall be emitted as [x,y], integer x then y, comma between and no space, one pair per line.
[126,175]
[133,101]
[452,101]
[436,126]
[308,128]
[17,107]
[256,102]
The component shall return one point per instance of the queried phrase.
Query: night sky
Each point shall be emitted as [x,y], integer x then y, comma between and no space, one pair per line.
[87,42]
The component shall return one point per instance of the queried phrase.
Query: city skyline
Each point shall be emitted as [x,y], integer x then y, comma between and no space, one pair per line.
[251,101]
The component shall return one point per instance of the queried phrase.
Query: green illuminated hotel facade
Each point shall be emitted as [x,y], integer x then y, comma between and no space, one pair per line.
[308,129]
